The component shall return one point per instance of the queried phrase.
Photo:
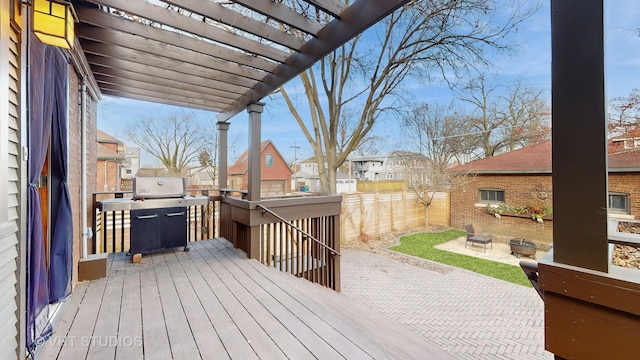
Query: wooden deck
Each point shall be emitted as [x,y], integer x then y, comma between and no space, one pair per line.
[214,303]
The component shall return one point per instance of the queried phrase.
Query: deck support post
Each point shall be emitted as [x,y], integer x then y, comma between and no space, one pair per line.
[591,308]
[254,174]
[579,134]
[223,130]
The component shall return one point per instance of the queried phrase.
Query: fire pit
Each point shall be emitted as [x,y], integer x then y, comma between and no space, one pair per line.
[520,246]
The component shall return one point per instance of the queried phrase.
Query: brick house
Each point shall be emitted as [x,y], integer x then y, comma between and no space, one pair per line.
[110,155]
[523,177]
[275,173]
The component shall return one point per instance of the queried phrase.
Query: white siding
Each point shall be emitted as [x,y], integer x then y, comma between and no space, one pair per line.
[9,187]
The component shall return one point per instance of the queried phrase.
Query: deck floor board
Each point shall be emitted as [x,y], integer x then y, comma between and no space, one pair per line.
[79,335]
[271,325]
[106,323]
[213,302]
[206,284]
[321,339]
[154,332]
[252,332]
[181,337]
[204,334]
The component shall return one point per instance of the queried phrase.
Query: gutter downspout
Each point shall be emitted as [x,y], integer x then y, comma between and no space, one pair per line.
[106,176]
[86,231]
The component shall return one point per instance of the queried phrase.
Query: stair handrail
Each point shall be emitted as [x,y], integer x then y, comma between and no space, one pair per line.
[267,210]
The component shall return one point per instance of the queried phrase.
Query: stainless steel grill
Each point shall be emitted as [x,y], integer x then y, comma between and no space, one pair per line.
[155,193]
[158,213]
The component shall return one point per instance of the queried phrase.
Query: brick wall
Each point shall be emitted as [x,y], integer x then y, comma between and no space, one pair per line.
[75,160]
[628,183]
[518,191]
[108,168]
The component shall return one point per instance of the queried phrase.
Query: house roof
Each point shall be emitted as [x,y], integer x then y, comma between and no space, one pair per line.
[242,164]
[536,159]
[104,153]
[631,134]
[219,56]
[310,160]
[103,137]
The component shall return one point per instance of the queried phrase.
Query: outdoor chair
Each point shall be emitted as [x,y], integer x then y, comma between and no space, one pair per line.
[472,237]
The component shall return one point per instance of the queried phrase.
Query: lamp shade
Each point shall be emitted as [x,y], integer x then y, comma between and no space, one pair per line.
[53,22]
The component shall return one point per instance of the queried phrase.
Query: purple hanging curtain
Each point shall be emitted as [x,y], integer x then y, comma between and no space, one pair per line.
[39,129]
[61,248]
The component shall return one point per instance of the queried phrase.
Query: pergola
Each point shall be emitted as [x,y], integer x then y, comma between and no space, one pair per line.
[214,55]
[221,56]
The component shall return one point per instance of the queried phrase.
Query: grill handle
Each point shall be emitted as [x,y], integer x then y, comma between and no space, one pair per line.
[174,214]
[147,216]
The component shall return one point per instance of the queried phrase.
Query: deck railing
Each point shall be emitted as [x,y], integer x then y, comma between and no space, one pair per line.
[297,235]
[112,229]
[289,246]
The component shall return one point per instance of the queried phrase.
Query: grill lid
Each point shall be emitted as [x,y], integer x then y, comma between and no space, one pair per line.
[158,187]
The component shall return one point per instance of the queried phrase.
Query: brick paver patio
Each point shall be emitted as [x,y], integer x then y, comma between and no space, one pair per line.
[470,315]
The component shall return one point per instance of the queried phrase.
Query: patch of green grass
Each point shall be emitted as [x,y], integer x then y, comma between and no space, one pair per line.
[422,245]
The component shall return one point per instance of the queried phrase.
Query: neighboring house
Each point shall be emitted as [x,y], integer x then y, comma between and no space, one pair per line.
[309,166]
[307,179]
[275,173]
[523,177]
[344,184]
[396,165]
[201,177]
[131,163]
[111,154]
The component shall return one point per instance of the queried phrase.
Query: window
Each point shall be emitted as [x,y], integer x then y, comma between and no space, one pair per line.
[619,203]
[389,176]
[268,160]
[492,196]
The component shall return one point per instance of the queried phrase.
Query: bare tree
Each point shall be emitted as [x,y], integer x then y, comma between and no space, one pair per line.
[437,137]
[525,116]
[369,145]
[423,39]
[483,119]
[209,161]
[518,117]
[432,132]
[624,112]
[176,140]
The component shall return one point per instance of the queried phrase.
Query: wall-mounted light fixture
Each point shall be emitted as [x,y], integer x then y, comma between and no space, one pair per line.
[53,22]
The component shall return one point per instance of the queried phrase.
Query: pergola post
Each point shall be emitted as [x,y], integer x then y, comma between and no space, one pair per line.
[579,134]
[223,129]
[591,310]
[255,117]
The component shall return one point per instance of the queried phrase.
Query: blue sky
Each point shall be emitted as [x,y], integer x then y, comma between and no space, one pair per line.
[531,63]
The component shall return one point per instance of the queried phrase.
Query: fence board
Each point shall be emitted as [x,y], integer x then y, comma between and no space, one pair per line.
[371,214]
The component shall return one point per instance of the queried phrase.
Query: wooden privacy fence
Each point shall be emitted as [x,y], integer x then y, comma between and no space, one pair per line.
[371,214]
